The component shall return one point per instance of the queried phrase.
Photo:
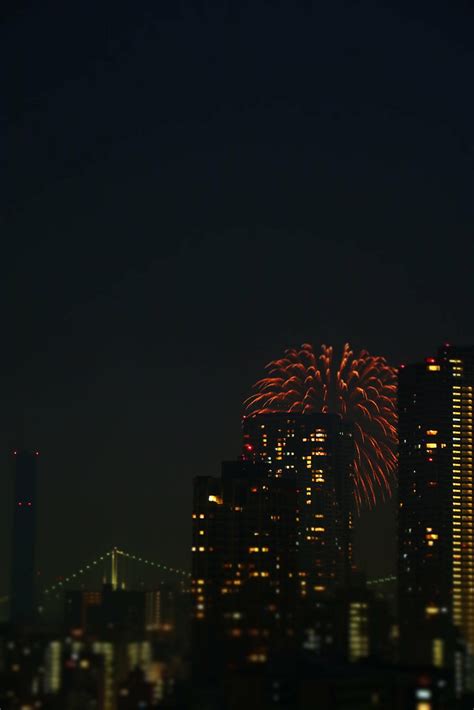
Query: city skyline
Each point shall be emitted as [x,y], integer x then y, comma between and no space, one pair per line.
[189,191]
[276,589]
[377,512]
[276,608]
[213,212]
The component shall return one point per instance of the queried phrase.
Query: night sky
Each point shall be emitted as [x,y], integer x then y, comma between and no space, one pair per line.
[187,189]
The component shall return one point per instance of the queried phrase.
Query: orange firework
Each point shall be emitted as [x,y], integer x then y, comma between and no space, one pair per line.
[362,389]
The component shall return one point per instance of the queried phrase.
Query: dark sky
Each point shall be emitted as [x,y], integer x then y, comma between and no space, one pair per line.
[187,188]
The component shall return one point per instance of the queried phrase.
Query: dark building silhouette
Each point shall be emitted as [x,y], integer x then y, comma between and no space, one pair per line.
[163,610]
[243,556]
[271,545]
[316,452]
[135,692]
[436,530]
[106,611]
[23,577]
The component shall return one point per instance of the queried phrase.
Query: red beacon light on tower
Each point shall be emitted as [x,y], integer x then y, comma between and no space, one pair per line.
[430,360]
[248,447]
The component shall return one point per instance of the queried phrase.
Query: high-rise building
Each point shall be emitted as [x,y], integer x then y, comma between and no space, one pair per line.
[239,521]
[435,524]
[23,578]
[272,541]
[316,451]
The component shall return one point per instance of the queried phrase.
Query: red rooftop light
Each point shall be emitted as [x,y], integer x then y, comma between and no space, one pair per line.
[430,359]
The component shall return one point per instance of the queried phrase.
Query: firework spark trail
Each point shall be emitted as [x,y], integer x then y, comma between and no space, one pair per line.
[361,389]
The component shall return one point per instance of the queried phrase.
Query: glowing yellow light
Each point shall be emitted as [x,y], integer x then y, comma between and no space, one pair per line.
[257,657]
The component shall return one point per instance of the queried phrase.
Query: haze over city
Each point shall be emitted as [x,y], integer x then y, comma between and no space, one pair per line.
[189,189]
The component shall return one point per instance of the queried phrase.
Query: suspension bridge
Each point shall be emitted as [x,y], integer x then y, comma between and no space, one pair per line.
[114,568]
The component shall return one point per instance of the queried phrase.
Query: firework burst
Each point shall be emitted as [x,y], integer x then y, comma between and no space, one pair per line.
[362,389]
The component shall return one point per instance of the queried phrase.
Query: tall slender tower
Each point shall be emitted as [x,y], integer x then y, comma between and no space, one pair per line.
[22,592]
[436,530]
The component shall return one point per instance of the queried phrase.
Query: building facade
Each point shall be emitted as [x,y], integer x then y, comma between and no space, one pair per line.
[272,541]
[436,541]
[23,577]
[316,452]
